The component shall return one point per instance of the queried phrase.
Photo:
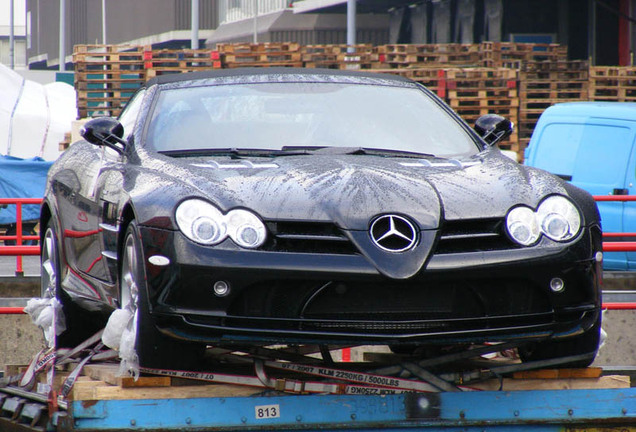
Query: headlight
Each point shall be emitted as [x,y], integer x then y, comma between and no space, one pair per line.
[203,223]
[559,218]
[556,218]
[522,226]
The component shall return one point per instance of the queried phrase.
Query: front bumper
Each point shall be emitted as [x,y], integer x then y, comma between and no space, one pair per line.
[279,297]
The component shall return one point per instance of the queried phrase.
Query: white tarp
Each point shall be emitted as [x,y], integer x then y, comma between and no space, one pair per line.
[34,117]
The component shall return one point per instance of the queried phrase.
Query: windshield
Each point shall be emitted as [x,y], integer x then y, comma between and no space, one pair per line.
[279,116]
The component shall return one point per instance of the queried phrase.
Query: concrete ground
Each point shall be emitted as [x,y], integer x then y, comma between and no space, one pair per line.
[20,339]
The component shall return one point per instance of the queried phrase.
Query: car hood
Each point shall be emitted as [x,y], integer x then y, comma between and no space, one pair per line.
[351,191]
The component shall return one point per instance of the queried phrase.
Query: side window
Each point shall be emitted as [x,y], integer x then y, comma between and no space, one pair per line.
[128,117]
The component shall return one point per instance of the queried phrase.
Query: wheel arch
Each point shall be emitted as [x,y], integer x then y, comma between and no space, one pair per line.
[45,215]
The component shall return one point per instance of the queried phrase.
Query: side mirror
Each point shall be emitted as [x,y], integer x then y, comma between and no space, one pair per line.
[106,131]
[493,128]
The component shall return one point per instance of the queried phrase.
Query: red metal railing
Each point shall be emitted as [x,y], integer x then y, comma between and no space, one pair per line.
[19,250]
[627,246]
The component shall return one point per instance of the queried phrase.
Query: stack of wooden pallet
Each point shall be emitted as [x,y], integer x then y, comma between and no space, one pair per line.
[321,56]
[432,77]
[160,62]
[338,56]
[545,83]
[359,57]
[514,55]
[473,92]
[260,55]
[613,83]
[106,76]
[416,55]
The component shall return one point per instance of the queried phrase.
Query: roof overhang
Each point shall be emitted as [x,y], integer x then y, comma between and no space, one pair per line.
[340,6]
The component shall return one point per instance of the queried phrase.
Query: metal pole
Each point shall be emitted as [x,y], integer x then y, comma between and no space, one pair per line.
[194,38]
[62,35]
[591,42]
[11,35]
[351,25]
[255,36]
[104,41]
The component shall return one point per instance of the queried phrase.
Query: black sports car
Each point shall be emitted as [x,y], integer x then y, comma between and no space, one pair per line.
[262,206]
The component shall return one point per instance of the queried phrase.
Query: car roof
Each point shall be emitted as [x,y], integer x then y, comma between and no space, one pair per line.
[273,71]
[617,110]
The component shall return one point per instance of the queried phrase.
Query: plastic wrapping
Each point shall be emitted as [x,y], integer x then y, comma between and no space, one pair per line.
[120,334]
[47,314]
[34,117]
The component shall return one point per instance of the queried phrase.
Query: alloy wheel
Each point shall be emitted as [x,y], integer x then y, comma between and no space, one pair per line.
[48,280]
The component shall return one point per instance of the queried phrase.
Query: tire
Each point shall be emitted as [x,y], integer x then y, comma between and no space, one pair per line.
[154,349]
[586,343]
[79,324]
[26,230]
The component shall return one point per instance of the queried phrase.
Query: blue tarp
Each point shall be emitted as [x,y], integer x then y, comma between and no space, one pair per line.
[22,178]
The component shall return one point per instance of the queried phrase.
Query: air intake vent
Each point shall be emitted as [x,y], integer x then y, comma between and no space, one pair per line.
[307,237]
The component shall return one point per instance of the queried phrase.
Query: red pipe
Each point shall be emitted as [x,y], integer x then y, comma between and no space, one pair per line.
[619,306]
[622,198]
[614,235]
[11,310]
[619,246]
[21,200]
[19,250]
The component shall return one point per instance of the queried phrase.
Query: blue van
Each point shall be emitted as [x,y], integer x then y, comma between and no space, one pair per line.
[591,144]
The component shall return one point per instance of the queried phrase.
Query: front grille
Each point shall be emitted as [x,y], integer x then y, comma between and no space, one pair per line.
[390,307]
[307,237]
[473,235]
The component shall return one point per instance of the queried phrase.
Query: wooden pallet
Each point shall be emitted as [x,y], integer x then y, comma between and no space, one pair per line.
[102,383]
[617,84]
[161,62]
[259,48]
[431,77]
[108,57]
[493,54]
[260,55]
[401,55]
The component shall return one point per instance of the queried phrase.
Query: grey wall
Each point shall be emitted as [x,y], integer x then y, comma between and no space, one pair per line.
[126,21]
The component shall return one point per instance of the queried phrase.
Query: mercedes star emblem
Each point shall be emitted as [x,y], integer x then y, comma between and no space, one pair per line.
[393,233]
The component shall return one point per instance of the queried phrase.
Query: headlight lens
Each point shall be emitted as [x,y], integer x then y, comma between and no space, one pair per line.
[557,218]
[522,226]
[203,223]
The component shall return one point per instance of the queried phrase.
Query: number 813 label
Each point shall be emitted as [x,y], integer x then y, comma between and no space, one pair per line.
[267,411]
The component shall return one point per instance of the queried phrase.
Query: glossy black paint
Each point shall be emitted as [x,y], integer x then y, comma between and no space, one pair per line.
[95,191]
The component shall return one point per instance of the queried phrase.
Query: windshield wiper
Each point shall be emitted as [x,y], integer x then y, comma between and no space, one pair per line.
[360,151]
[235,153]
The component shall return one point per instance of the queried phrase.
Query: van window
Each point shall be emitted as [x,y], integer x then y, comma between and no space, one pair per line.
[587,153]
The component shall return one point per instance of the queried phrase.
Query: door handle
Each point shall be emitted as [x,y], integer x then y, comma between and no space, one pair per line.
[618,191]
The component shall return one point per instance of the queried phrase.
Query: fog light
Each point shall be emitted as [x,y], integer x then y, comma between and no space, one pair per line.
[221,288]
[557,285]
[599,257]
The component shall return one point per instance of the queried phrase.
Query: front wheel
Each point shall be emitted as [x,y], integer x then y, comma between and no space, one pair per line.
[153,349]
